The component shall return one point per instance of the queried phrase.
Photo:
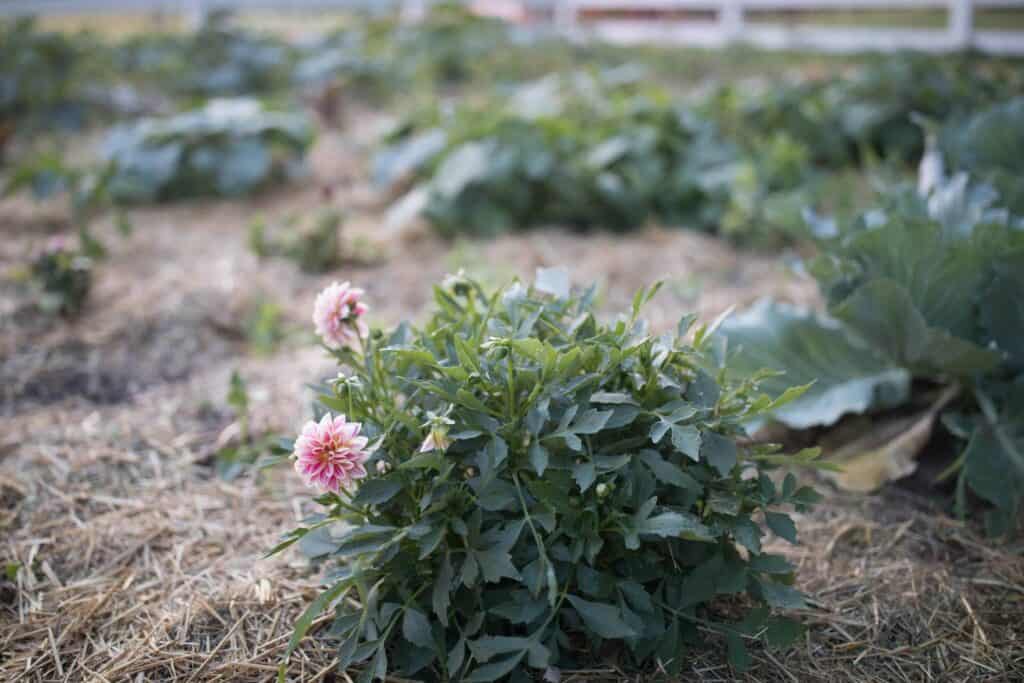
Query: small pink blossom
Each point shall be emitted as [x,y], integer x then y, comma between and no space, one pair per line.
[330,454]
[337,315]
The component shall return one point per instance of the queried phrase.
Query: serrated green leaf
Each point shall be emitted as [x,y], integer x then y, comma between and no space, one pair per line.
[495,670]
[604,620]
[719,452]
[781,596]
[416,628]
[781,525]
[376,491]
[781,632]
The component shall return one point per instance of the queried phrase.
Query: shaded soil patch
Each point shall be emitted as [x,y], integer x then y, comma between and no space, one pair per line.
[113,370]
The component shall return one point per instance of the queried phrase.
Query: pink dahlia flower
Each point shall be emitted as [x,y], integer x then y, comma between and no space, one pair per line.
[337,315]
[330,454]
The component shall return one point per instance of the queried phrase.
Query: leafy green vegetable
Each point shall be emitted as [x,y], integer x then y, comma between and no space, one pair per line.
[229,147]
[848,376]
[929,288]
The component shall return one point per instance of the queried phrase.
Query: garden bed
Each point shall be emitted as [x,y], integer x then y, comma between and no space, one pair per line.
[143,563]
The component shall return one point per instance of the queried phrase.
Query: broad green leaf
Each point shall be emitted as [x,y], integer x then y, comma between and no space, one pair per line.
[847,376]
[882,312]
[590,422]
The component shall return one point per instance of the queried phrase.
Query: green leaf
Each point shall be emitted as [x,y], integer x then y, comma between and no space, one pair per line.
[604,620]
[687,440]
[487,647]
[846,375]
[416,628]
[496,564]
[456,656]
[495,670]
[738,656]
[991,471]
[781,596]
[538,458]
[669,473]
[441,596]
[719,451]
[748,534]
[433,460]
[781,632]
[676,525]
[584,473]
[771,564]
[590,422]
[883,312]
[781,525]
[376,491]
[614,398]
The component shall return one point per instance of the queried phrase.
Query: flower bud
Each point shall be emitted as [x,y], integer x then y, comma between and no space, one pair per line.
[383,467]
[603,490]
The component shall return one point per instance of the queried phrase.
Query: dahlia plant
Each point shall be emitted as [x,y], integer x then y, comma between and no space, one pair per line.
[516,485]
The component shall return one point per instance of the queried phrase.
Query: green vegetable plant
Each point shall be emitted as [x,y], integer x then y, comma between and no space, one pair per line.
[584,150]
[226,148]
[44,79]
[530,485]
[923,297]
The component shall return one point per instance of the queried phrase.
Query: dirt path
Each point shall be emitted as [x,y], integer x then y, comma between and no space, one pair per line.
[138,564]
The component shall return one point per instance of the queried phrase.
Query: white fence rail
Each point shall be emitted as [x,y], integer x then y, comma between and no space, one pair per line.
[730,25]
[583,20]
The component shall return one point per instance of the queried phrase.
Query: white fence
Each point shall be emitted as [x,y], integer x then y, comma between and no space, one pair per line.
[728,25]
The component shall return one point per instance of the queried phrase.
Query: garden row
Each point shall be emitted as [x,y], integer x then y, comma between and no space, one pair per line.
[515,485]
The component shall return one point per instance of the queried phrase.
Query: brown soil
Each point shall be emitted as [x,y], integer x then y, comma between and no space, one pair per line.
[138,564]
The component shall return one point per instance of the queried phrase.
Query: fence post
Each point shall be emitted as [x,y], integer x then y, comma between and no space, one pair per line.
[961,20]
[730,20]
